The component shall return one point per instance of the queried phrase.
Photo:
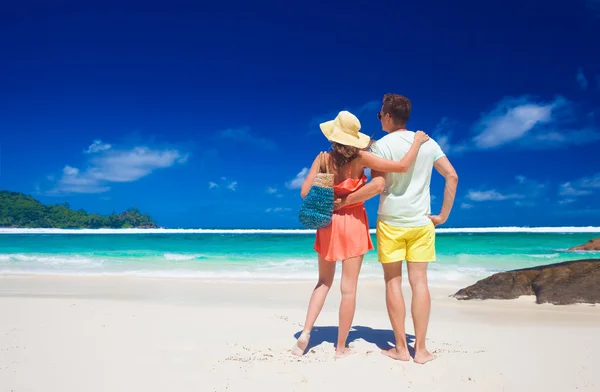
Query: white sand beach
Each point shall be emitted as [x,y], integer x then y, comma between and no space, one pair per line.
[127,334]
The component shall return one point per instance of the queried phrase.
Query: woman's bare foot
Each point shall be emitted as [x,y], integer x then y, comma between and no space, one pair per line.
[301,344]
[398,355]
[422,357]
[344,353]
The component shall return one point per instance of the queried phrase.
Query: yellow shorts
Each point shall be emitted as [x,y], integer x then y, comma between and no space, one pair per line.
[414,244]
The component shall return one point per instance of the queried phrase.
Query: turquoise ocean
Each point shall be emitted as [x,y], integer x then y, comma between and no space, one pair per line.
[274,256]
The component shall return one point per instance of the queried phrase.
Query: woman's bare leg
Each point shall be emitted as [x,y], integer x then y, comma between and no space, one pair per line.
[350,271]
[317,299]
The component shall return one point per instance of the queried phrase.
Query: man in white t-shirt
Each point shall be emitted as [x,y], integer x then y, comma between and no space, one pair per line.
[405,226]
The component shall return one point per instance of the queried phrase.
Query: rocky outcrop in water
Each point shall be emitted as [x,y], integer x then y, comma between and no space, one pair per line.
[590,245]
[565,283]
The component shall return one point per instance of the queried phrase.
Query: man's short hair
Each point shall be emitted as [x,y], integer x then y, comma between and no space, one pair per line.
[398,107]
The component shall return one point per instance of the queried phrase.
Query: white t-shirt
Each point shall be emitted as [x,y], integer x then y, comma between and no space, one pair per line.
[405,200]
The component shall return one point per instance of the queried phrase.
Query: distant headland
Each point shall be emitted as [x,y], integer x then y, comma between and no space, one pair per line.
[18,210]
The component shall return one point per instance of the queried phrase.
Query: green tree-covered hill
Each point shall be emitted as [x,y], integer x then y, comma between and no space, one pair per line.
[19,210]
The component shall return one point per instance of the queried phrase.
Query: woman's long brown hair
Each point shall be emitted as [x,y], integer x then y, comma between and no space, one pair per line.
[342,154]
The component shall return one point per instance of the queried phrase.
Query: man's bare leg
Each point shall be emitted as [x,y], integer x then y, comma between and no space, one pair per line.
[392,273]
[317,299]
[420,308]
[350,272]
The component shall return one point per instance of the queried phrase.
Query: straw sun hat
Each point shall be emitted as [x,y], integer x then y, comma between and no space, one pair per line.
[344,130]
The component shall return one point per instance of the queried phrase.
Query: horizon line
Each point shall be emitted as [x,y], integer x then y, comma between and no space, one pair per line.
[493,229]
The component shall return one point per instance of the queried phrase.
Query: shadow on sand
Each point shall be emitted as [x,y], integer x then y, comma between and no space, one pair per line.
[382,338]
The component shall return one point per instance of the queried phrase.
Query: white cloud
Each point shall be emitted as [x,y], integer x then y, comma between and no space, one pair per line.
[512,119]
[566,201]
[567,189]
[70,171]
[581,187]
[581,80]
[297,182]
[530,188]
[97,146]
[246,136]
[590,182]
[74,182]
[231,185]
[108,165]
[532,125]
[565,137]
[466,206]
[131,165]
[525,123]
[371,106]
[278,209]
[491,195]
[274,191]
[442,133]
[444,142]
[525,188]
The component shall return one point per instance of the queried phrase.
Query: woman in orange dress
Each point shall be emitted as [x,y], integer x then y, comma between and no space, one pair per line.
[347,238]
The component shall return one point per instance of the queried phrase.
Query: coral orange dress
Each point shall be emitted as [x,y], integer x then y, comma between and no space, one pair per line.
[348,233]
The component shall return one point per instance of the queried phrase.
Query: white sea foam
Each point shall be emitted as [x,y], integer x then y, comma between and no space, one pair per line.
[545,256]
[208,275]
[293,269]
[566,229]
[181,256]
[581,252]
[58,260]
[54,260]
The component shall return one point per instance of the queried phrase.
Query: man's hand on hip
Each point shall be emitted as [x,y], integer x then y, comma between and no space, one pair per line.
[437,219]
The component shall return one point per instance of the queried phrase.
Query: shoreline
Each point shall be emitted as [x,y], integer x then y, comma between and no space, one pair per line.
[144,288]
[373,277]
[80,283]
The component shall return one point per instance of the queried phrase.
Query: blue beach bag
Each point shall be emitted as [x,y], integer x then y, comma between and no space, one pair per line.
[317,208]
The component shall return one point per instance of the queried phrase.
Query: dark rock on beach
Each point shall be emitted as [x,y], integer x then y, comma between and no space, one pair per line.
[590,245]
[565,283]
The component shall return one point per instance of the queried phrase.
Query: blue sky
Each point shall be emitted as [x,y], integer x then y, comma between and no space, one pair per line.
[207,115]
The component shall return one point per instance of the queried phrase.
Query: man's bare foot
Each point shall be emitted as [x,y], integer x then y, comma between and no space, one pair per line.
[342,354]
[398,355]
[422,357]
[301,345]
